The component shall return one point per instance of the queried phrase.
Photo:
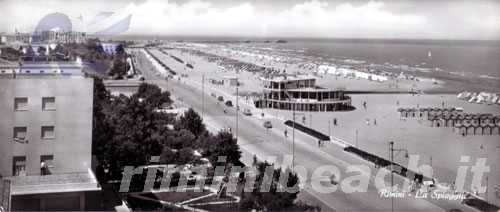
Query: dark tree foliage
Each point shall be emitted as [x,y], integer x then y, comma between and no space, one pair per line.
[193,122]
[101,131]
[137,133]
[30,54]
[41,51]
[11,54]
[153,95]
[94,45]
[127,131]
[92,50]
[119,68]
[223,144]
[276,198]
[120,50]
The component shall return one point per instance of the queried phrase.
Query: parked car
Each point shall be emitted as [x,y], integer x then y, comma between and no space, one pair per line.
[247,112]
[268,125]
[213,95]
[229,103]
[220,98]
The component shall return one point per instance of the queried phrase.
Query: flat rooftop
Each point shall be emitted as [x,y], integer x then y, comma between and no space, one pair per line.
[61,64]
[57,183]
[8,64]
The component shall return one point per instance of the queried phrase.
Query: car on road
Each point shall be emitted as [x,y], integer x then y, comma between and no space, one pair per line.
[247,112]
[267,125]
[229,103]
[220,98]
[213,95]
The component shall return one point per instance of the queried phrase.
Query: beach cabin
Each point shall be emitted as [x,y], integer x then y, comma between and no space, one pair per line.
[470,129]
[436,121]
[495,129]
[487,128]
[423,112]
[461,129]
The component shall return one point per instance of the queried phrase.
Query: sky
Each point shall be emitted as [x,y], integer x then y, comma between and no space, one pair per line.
[390,19]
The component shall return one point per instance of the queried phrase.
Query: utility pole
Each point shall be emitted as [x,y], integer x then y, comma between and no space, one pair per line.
[310,120]
[329,129]
[486,194]
[391,151]
[202,96]
[432,170]
[356,138]
[293,138]
[237,106]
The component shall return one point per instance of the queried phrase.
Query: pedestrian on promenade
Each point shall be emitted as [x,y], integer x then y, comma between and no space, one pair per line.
[335,121]
[319,143]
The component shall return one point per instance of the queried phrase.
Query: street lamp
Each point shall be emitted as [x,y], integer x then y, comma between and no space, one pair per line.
[391,151]
[356,138]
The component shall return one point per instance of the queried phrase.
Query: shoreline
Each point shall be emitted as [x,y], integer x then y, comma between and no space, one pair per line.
[439,82]
[381,106]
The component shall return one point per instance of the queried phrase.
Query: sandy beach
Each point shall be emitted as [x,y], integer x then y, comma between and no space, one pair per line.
[417,136]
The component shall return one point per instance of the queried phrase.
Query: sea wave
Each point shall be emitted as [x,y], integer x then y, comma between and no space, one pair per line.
[489,77]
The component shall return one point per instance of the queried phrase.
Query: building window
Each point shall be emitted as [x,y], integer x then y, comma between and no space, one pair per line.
[46,164]
[19,166]
[3,71]
[20,134]
[28,71]
[42,71]
[20,103]
[48,103]
[48,132]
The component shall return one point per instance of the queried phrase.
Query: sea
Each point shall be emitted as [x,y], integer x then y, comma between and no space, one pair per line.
[472,65]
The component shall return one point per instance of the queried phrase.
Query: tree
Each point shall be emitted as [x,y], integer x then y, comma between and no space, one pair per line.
[276,198]
[101,130]
[41,51]
[30,53]
[119,68]
[127,131]
[120,51]
[153,95]
[58,52]
[223,144]
[191,121]
[10,53]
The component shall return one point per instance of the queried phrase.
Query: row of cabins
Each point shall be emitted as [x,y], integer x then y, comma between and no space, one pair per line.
[463,123]
[425,112]
[450,120]
[477,129]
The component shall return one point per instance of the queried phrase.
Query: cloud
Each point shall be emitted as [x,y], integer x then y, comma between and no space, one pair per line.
[316,19]
[298,18]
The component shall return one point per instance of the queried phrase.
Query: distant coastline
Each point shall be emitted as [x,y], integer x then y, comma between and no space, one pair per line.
[254,39]
[460,64]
